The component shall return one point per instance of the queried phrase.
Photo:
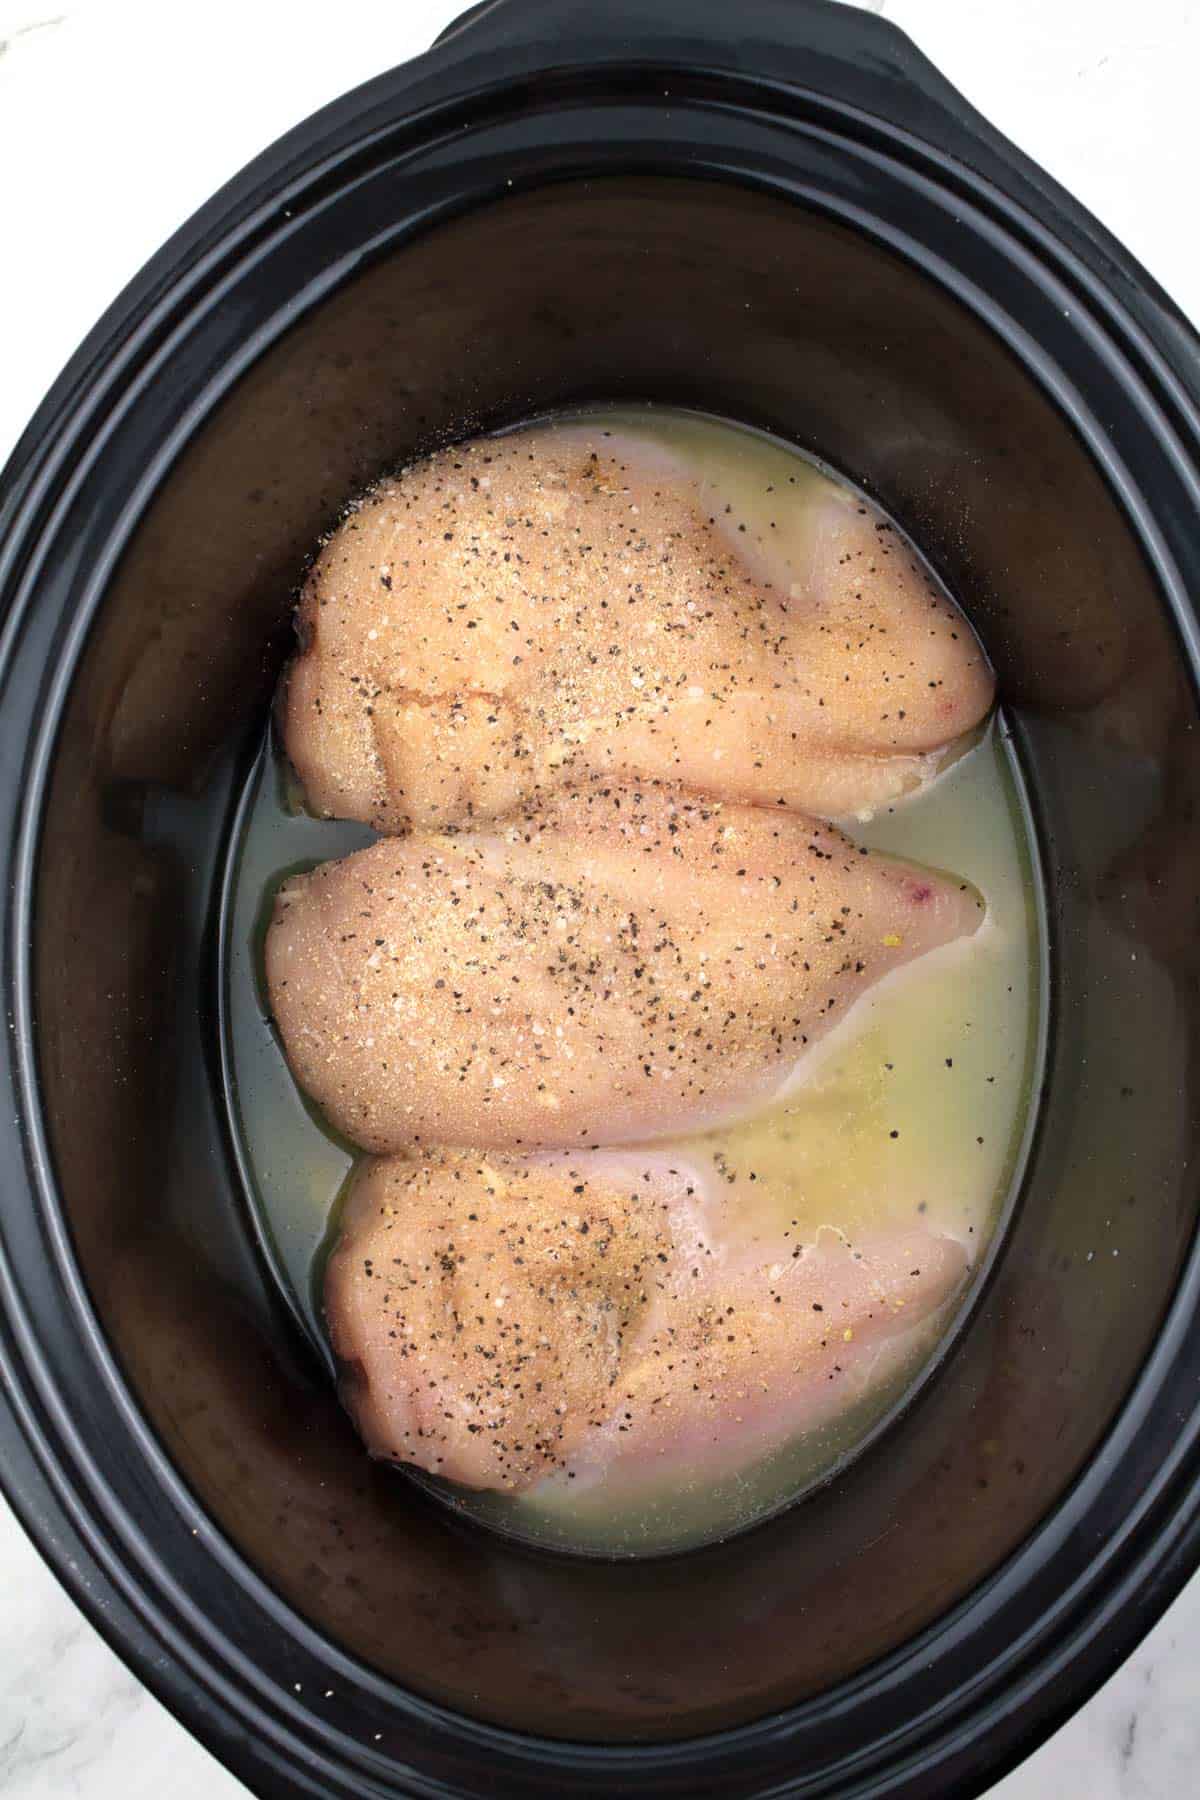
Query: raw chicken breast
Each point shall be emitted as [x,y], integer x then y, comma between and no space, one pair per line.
[629,962]
[517,613]
[503,1321]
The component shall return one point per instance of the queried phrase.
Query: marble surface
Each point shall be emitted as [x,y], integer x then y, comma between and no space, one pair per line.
[117,118]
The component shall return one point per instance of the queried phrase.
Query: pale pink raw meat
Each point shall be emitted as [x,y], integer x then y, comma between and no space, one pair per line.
[628,962]
[522,612]
[505,1321]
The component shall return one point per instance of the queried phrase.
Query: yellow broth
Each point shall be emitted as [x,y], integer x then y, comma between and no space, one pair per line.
[919,1102]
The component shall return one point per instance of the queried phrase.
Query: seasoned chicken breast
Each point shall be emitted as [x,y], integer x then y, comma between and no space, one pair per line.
[518,613]
[504,1321]
[627,962]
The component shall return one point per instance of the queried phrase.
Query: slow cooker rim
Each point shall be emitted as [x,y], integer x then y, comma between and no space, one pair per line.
[725,1737]
[26,488]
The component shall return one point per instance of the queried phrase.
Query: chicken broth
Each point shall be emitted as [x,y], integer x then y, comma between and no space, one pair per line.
[913,1110]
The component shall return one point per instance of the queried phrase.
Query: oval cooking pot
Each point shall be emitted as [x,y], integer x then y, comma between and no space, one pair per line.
[778,212]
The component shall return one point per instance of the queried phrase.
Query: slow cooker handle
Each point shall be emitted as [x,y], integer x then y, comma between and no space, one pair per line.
[821,48]
[803,41]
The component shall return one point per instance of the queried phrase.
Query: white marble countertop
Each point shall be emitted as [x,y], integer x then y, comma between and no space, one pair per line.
[117,118]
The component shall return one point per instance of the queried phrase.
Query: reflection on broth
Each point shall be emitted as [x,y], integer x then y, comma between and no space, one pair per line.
[913,1109]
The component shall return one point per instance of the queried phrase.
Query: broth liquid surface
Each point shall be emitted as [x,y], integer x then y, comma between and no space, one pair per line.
[918,1102]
